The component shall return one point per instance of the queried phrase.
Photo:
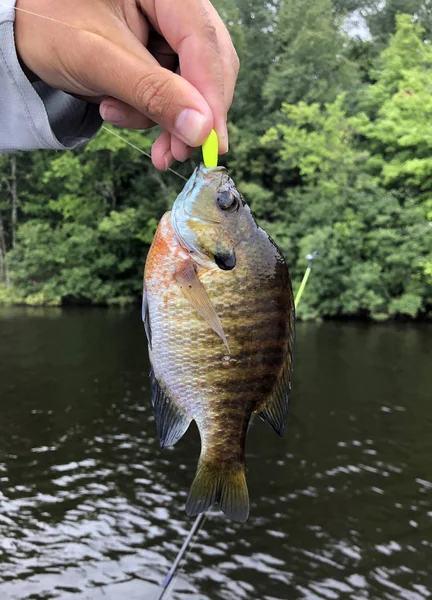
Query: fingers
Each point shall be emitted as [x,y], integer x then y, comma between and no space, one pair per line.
[194,30]
[122,115]
[101,53]
[162,157]
[229,57]
[179,150]
[136,78]
[168,148]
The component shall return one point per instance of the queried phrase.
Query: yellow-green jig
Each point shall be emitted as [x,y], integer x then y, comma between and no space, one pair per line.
[210,150]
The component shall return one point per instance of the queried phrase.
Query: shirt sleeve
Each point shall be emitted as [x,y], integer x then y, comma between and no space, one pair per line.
[34,115]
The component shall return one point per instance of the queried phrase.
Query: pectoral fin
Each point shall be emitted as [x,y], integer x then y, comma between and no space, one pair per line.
[196,293]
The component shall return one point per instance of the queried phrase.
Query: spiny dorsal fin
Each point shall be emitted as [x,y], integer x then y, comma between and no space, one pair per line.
[195,292]
[171,420]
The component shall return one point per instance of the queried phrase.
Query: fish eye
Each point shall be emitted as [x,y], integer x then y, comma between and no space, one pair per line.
[228,201]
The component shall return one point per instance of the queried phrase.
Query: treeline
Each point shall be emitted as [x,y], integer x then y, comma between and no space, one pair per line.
[331,144]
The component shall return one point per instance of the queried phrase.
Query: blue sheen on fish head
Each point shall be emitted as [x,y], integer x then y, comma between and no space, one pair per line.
[206,217]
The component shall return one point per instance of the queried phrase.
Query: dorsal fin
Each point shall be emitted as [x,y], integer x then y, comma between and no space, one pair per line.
[275,410]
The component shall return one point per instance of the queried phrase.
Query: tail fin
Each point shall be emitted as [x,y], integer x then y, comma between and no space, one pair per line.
[227,486]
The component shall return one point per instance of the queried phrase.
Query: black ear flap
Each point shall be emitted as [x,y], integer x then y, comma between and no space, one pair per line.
[225,261]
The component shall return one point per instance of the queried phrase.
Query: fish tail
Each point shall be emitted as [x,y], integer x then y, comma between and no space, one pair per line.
[225,485]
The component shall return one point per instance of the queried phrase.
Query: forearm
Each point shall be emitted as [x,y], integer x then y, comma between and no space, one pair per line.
[34,115]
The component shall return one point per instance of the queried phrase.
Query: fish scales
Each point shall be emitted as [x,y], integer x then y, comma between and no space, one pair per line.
[219,389]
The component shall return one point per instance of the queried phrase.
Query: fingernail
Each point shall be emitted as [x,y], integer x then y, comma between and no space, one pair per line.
[223,140]
[168,160]
[112,114]
[189,126]
[182,154]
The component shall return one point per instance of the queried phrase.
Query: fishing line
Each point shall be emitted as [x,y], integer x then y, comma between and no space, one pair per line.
[201,518]
[139,150]
[29,12]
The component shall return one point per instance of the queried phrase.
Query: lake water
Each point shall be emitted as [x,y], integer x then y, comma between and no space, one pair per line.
[90,508]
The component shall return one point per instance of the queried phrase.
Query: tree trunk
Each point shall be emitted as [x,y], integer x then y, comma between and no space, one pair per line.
[14,199]
[4,266]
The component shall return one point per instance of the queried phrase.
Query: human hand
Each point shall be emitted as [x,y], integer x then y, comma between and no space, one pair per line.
[123,54]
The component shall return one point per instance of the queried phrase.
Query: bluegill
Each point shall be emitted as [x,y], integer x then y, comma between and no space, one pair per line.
[219,316]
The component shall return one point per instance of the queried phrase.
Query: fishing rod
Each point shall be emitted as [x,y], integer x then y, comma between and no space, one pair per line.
[198,523]
[310,258]
[201,518]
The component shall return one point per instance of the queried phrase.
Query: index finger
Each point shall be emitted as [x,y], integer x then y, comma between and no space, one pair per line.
[189,28]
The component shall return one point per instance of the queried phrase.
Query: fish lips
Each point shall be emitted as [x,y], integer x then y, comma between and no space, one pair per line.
[225,261]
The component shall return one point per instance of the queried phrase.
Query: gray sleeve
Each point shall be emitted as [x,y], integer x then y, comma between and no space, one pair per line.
[35,116]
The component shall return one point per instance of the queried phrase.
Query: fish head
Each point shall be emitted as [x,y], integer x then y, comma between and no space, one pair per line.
[206,217]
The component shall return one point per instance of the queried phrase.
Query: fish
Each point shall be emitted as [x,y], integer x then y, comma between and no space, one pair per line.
[219,316]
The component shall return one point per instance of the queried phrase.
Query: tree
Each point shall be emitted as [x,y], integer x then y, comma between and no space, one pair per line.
[373,243]
[251,24]
[381,17]
[397,122]
[310,61]
[330,144]
[87,230]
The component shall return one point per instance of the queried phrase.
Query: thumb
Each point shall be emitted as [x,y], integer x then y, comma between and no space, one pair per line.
[138,80]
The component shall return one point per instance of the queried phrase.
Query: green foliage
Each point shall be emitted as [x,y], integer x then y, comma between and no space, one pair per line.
[309,62]
[398,123]
[374,245]
[251,23]
[331,145]
[382,17]
[84,233]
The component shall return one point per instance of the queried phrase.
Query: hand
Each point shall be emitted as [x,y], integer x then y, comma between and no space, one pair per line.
[123,54]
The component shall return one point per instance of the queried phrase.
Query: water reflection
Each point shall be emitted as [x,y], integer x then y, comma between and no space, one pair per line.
[91,508]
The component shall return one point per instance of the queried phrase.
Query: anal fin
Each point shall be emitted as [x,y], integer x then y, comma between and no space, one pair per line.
[171,420]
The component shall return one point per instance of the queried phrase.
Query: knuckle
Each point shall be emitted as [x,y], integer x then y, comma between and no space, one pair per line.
[154,94]
[209,31]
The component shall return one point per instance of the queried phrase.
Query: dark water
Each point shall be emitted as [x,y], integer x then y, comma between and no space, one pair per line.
[90,508]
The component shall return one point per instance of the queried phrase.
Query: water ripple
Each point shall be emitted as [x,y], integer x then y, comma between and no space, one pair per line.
[90,508]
